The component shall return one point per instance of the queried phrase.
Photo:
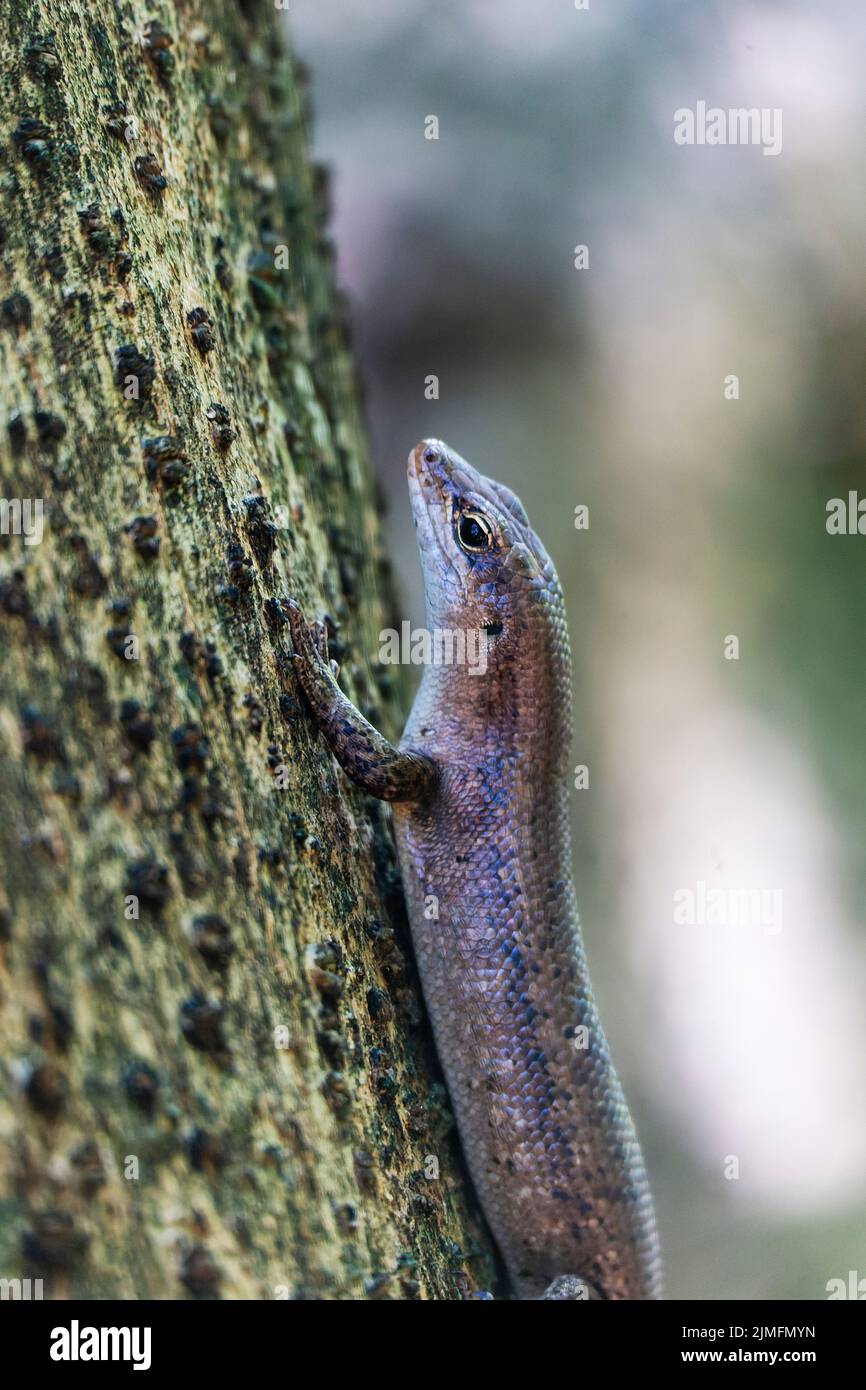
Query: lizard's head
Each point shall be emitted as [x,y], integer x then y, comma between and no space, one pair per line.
[481,558]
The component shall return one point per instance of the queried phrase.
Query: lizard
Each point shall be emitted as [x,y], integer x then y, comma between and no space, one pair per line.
[480,813]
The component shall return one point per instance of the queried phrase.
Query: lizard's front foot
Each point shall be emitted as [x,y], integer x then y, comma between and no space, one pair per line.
[373,763]
[310,640]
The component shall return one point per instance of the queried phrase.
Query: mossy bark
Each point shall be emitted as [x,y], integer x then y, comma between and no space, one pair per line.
[217,1078]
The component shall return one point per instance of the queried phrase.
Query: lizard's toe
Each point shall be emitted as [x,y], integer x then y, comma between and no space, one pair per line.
[301,639]
[319,634]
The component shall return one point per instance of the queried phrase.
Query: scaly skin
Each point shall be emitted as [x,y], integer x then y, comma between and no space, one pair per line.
[481,820]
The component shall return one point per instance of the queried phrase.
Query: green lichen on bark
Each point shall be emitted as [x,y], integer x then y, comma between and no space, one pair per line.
[231,1093]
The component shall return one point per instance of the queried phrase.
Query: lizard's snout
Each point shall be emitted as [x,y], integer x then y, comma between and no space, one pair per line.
[426,460]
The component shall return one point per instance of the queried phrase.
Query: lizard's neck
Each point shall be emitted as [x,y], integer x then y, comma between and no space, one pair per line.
[518,705]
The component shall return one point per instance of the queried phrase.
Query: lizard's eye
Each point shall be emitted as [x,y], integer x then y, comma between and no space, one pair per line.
[474,532]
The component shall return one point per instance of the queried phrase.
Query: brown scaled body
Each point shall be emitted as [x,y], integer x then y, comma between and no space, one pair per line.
[481,819]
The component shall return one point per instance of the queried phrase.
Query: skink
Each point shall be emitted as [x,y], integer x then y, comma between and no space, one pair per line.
[481,820]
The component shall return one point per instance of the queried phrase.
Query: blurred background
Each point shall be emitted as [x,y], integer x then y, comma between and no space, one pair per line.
[605,386]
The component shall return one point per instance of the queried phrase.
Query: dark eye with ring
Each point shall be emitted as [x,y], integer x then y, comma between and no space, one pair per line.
[474,532]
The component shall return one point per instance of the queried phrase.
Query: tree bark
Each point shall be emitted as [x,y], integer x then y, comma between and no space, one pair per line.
[217,1076]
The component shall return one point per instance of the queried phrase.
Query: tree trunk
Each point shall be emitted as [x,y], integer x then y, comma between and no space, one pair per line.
[217,1075]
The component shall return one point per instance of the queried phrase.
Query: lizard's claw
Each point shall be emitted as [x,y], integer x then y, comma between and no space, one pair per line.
[305,636]
[297,625]
[310,642]
[319,634]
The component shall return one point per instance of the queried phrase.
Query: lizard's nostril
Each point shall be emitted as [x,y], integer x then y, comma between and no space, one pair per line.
[431,456]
